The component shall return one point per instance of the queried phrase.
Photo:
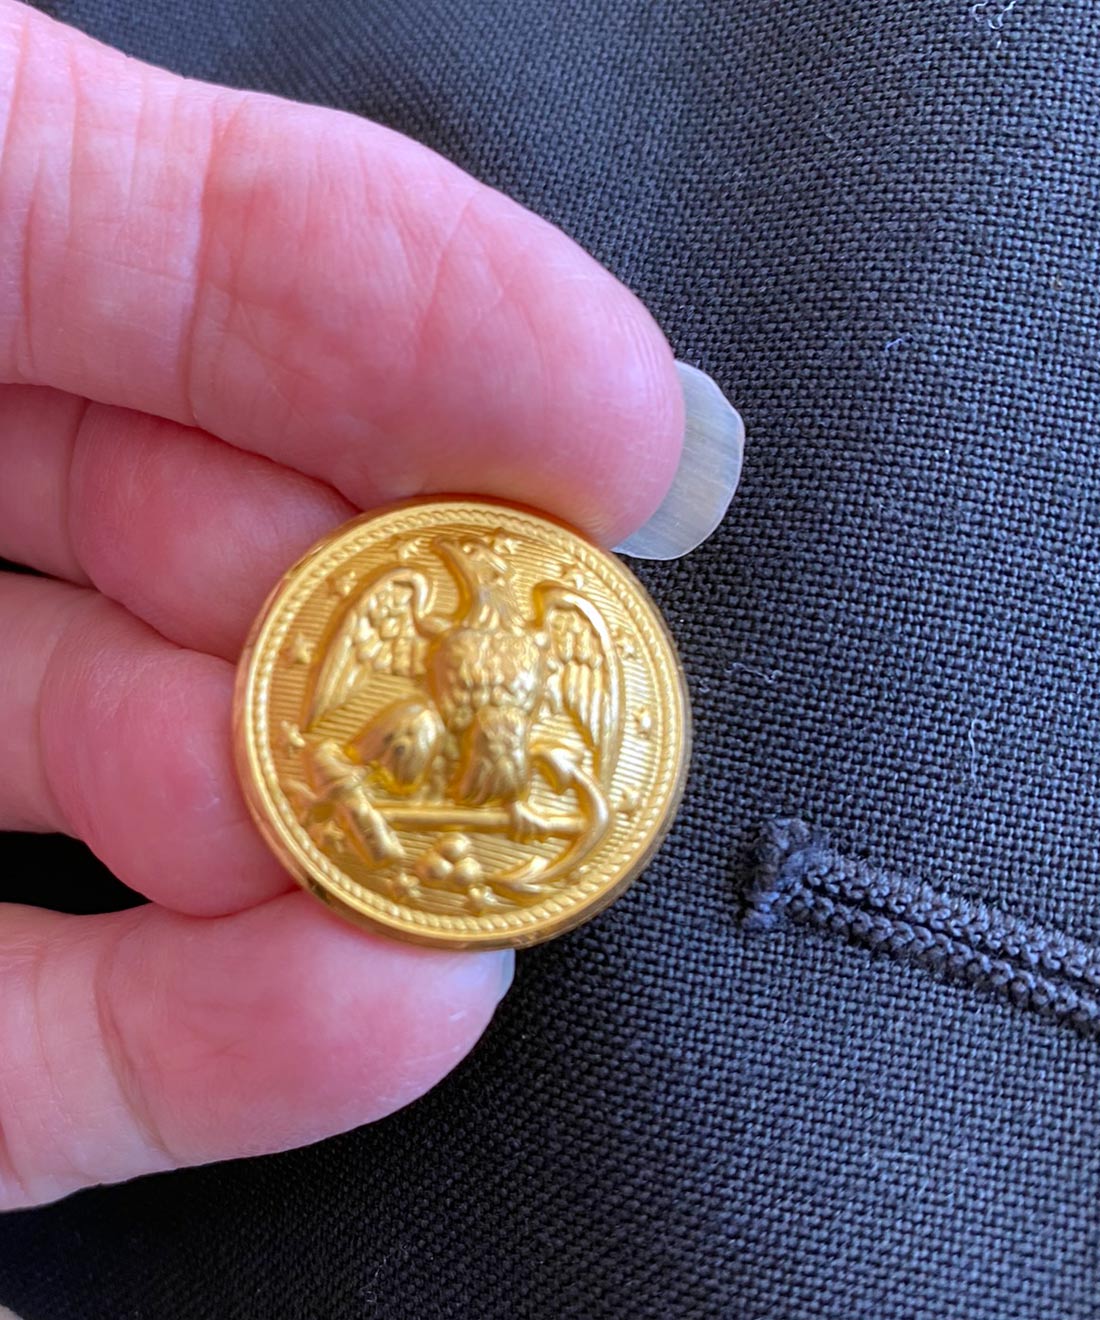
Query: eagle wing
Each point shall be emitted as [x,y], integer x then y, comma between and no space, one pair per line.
[384,630]
[586,676]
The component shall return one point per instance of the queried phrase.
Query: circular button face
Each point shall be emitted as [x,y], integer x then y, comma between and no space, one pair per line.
[461,723]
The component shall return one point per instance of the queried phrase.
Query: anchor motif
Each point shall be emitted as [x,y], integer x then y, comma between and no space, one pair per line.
[462,752]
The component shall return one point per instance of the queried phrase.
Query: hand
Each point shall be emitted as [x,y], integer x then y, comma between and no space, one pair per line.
[227,323]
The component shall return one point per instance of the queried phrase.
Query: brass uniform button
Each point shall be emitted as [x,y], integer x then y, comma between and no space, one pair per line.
[462,724]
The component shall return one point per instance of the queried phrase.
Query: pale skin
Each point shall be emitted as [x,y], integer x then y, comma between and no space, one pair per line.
[227,323]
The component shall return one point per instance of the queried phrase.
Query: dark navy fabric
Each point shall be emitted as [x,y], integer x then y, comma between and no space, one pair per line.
[878,226]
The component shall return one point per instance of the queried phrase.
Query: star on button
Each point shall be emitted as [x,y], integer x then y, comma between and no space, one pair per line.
[572,576]
[628,803]
[343,585]
[624,644]
[300,650]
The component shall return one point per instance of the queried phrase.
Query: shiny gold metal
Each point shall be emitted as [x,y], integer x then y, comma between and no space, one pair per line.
[461,723]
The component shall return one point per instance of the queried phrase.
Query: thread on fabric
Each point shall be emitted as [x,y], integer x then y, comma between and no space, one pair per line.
[799,879]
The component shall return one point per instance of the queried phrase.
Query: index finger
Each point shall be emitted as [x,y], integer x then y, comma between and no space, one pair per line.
[315,288]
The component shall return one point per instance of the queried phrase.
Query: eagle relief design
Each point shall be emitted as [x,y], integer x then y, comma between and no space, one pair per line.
[460,734]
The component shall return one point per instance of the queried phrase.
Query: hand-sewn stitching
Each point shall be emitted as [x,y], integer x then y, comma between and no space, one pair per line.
[799,878]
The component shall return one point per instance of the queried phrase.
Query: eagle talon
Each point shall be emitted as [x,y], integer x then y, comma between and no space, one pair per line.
[527,824]
[371,829]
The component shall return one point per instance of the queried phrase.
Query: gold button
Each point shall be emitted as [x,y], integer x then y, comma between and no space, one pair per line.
[461,723]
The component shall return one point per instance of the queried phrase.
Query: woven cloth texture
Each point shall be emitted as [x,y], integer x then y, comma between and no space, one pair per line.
[878,226]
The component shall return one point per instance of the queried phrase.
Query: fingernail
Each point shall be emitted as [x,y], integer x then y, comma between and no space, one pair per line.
[507,972]
[709,470]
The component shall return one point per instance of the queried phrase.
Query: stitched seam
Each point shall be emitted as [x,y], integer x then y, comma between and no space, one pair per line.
[800,879]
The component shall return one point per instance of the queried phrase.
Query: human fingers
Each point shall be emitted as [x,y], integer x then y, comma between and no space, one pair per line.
[185,531]
[315,288]
[145,1040]
[111,733]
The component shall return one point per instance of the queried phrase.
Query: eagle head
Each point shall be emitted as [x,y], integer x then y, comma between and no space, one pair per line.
[484,580]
